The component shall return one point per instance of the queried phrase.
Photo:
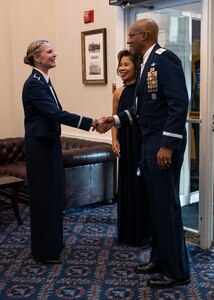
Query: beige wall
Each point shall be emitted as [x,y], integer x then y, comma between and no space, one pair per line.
[60,22]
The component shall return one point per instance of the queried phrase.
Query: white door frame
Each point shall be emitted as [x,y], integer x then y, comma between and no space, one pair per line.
[206,135]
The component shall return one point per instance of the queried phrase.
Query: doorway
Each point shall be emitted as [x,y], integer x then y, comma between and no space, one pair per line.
[180,31]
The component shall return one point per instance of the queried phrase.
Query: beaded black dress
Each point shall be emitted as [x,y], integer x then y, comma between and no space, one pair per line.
[133,226]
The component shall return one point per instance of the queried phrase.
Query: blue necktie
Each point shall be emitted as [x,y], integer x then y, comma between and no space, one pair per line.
[51,87]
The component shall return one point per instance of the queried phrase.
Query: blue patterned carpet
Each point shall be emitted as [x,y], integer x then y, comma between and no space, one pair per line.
[94,267]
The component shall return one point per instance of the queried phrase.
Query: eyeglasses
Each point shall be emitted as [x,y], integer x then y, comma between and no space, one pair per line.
[130,35]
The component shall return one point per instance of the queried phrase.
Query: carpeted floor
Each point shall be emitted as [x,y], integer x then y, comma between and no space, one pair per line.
[94,267]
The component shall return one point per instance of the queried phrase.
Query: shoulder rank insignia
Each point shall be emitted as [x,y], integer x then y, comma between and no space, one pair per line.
[160,51]
[37,77]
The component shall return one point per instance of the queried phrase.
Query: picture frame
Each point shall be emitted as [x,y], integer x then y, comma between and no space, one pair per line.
[94,60]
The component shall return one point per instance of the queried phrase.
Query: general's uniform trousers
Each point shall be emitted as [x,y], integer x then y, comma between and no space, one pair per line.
[169,247]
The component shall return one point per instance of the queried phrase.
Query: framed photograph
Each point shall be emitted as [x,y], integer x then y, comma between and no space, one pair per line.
[94,66]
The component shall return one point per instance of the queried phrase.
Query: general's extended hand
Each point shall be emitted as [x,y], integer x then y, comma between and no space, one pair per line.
[103,124]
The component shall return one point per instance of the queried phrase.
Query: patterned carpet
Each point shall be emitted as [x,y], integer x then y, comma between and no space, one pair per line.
[94,267]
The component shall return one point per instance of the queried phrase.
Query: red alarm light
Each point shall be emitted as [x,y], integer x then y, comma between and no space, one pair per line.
[89,16]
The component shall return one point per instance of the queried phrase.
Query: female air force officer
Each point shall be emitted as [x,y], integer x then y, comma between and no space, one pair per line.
[43,116]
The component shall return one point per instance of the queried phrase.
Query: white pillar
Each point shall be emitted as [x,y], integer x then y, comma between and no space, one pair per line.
[206,134]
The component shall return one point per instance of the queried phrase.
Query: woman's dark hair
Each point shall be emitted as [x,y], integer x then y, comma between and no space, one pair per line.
[132,57]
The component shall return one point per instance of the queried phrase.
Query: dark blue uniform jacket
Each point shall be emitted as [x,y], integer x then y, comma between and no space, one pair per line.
[162,99]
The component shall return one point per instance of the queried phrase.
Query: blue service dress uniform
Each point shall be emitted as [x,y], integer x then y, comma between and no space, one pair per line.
[161,110]
[43,116]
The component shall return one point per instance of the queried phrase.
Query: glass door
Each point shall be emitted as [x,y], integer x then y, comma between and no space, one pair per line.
[179,30]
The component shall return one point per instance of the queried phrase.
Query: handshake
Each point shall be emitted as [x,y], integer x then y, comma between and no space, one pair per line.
[103,124]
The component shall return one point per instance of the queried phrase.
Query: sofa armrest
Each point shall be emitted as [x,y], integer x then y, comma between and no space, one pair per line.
[85,156]
[11,149]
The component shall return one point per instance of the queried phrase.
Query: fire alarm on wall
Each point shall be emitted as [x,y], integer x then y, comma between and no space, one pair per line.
[89,16]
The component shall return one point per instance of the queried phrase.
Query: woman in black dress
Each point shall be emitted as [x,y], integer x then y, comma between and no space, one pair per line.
[133,227]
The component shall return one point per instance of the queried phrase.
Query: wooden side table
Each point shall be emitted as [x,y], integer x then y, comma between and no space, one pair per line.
[13,183]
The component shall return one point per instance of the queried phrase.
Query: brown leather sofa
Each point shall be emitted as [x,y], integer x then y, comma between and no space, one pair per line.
[90,169]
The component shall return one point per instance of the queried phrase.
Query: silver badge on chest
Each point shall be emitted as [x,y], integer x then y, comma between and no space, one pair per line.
[154,96]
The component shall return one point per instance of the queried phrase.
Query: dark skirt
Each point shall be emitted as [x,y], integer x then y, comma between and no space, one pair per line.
[45,180]
[133,215]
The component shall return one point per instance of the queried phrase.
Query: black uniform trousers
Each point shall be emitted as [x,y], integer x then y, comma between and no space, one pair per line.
[169,248]
[46,194]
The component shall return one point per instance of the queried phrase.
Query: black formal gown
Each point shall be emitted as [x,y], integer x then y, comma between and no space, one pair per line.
[133,227]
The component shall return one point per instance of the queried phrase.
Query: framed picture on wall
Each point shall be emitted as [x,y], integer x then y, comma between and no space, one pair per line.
[94,61]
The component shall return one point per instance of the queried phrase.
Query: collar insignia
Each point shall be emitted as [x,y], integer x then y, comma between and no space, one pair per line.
[36,76]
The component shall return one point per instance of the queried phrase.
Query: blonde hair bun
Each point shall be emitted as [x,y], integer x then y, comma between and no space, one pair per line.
[33,49]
